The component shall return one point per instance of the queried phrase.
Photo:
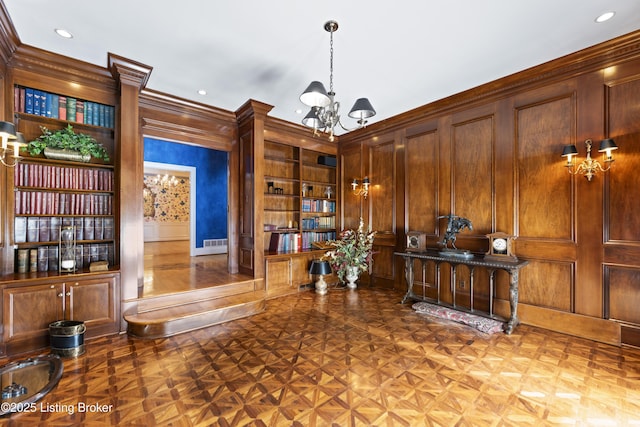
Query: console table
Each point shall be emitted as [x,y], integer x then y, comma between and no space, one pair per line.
[434,256]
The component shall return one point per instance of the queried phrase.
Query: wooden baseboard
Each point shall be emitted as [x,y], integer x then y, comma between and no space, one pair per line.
[578,325]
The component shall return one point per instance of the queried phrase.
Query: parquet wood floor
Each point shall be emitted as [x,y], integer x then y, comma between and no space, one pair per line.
[349,358]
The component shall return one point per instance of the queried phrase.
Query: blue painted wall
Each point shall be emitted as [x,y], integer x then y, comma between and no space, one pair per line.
[211,183]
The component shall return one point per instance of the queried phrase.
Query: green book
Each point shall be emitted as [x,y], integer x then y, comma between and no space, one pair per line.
[71,109]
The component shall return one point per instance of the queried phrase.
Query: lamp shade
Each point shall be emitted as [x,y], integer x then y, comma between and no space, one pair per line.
[315,95]
[569,150]
[362,109]
[607,144]
[8,129]
[311,119]
[320,267]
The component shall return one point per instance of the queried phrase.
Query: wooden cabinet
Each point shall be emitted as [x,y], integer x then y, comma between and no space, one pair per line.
[287,274]
[29,308]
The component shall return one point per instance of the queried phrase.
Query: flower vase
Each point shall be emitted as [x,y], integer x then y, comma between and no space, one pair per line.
[352,276]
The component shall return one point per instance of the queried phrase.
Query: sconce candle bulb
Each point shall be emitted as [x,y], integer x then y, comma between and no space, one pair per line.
[361,191]
[10,136]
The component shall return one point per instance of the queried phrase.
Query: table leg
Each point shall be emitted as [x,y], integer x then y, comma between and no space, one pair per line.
[408,275]
[471,287]
[513,300]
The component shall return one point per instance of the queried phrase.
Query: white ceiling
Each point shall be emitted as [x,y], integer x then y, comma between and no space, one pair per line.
[400,54]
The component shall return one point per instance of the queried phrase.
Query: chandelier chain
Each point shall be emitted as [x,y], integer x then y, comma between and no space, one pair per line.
[331,62]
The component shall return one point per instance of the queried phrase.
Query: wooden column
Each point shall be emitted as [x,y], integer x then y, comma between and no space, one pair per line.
[129,159]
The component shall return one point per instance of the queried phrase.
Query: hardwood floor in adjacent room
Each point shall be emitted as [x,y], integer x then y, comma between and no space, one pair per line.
[168,268]
[349,358]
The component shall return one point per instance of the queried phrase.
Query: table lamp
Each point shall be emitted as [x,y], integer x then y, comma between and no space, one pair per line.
[320,268]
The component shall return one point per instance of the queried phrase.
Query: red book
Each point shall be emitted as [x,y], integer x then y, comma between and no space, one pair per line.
[62,107]
[80,111]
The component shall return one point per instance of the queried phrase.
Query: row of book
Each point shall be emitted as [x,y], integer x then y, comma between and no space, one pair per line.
[311,237]
[319,222]
[62,177]
[46,258]
[318,205]
[285,242]
[50,203]
[45,104]
[47,229]
[293,242]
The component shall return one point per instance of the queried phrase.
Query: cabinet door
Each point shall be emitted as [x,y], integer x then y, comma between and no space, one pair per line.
[300,270]
[93,301]
[278,277]
[29,310]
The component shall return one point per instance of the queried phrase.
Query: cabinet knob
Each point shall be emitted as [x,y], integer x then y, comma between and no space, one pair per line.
[68,294]
[60,295]
[53,286]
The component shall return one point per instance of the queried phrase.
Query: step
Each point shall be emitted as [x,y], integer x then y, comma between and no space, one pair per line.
[187,297]
[172,320]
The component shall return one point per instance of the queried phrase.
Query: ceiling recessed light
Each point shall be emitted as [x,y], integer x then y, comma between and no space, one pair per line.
[202,92]
[63,33]
[298,111]
[605,17]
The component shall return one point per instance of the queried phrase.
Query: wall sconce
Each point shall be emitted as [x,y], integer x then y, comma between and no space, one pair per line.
[320,268]
[589,167]
[361,190]
[10,136]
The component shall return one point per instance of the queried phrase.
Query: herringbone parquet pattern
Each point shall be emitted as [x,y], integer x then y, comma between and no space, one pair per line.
[349,358]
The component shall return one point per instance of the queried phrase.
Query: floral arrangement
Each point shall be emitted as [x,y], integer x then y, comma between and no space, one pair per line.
[352,249]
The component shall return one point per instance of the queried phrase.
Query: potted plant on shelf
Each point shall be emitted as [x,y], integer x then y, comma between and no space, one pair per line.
[351,254]
[66,144]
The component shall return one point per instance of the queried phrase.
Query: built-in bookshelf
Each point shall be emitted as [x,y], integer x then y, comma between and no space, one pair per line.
[49,195]
[300,203]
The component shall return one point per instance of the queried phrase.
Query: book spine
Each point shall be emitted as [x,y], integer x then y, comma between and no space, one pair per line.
[62,107]
[71,109]
[43,258]
[55,102]
[37,102]
[33,260]
[88,112]
[48,104]
[23,260]
[80,111]
[28,107]
[20,229]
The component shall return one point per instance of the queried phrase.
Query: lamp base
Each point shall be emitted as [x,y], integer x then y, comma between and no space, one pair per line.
[321,286]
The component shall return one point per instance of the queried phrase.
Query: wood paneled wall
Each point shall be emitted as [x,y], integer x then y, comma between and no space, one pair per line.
[492,155]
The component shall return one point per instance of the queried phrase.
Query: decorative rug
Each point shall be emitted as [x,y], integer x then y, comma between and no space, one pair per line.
[483,324]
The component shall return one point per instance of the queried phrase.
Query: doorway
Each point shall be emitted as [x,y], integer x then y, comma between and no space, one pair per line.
[185,217]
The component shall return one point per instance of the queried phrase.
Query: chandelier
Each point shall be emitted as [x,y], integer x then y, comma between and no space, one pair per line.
[324,115]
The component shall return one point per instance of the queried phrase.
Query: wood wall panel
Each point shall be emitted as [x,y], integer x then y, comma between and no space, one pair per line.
[381,195]
[624,179]
[547,284]
[421,161]
[472,153]
[545,208]
[493,154]
[352,206]
[624,293]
